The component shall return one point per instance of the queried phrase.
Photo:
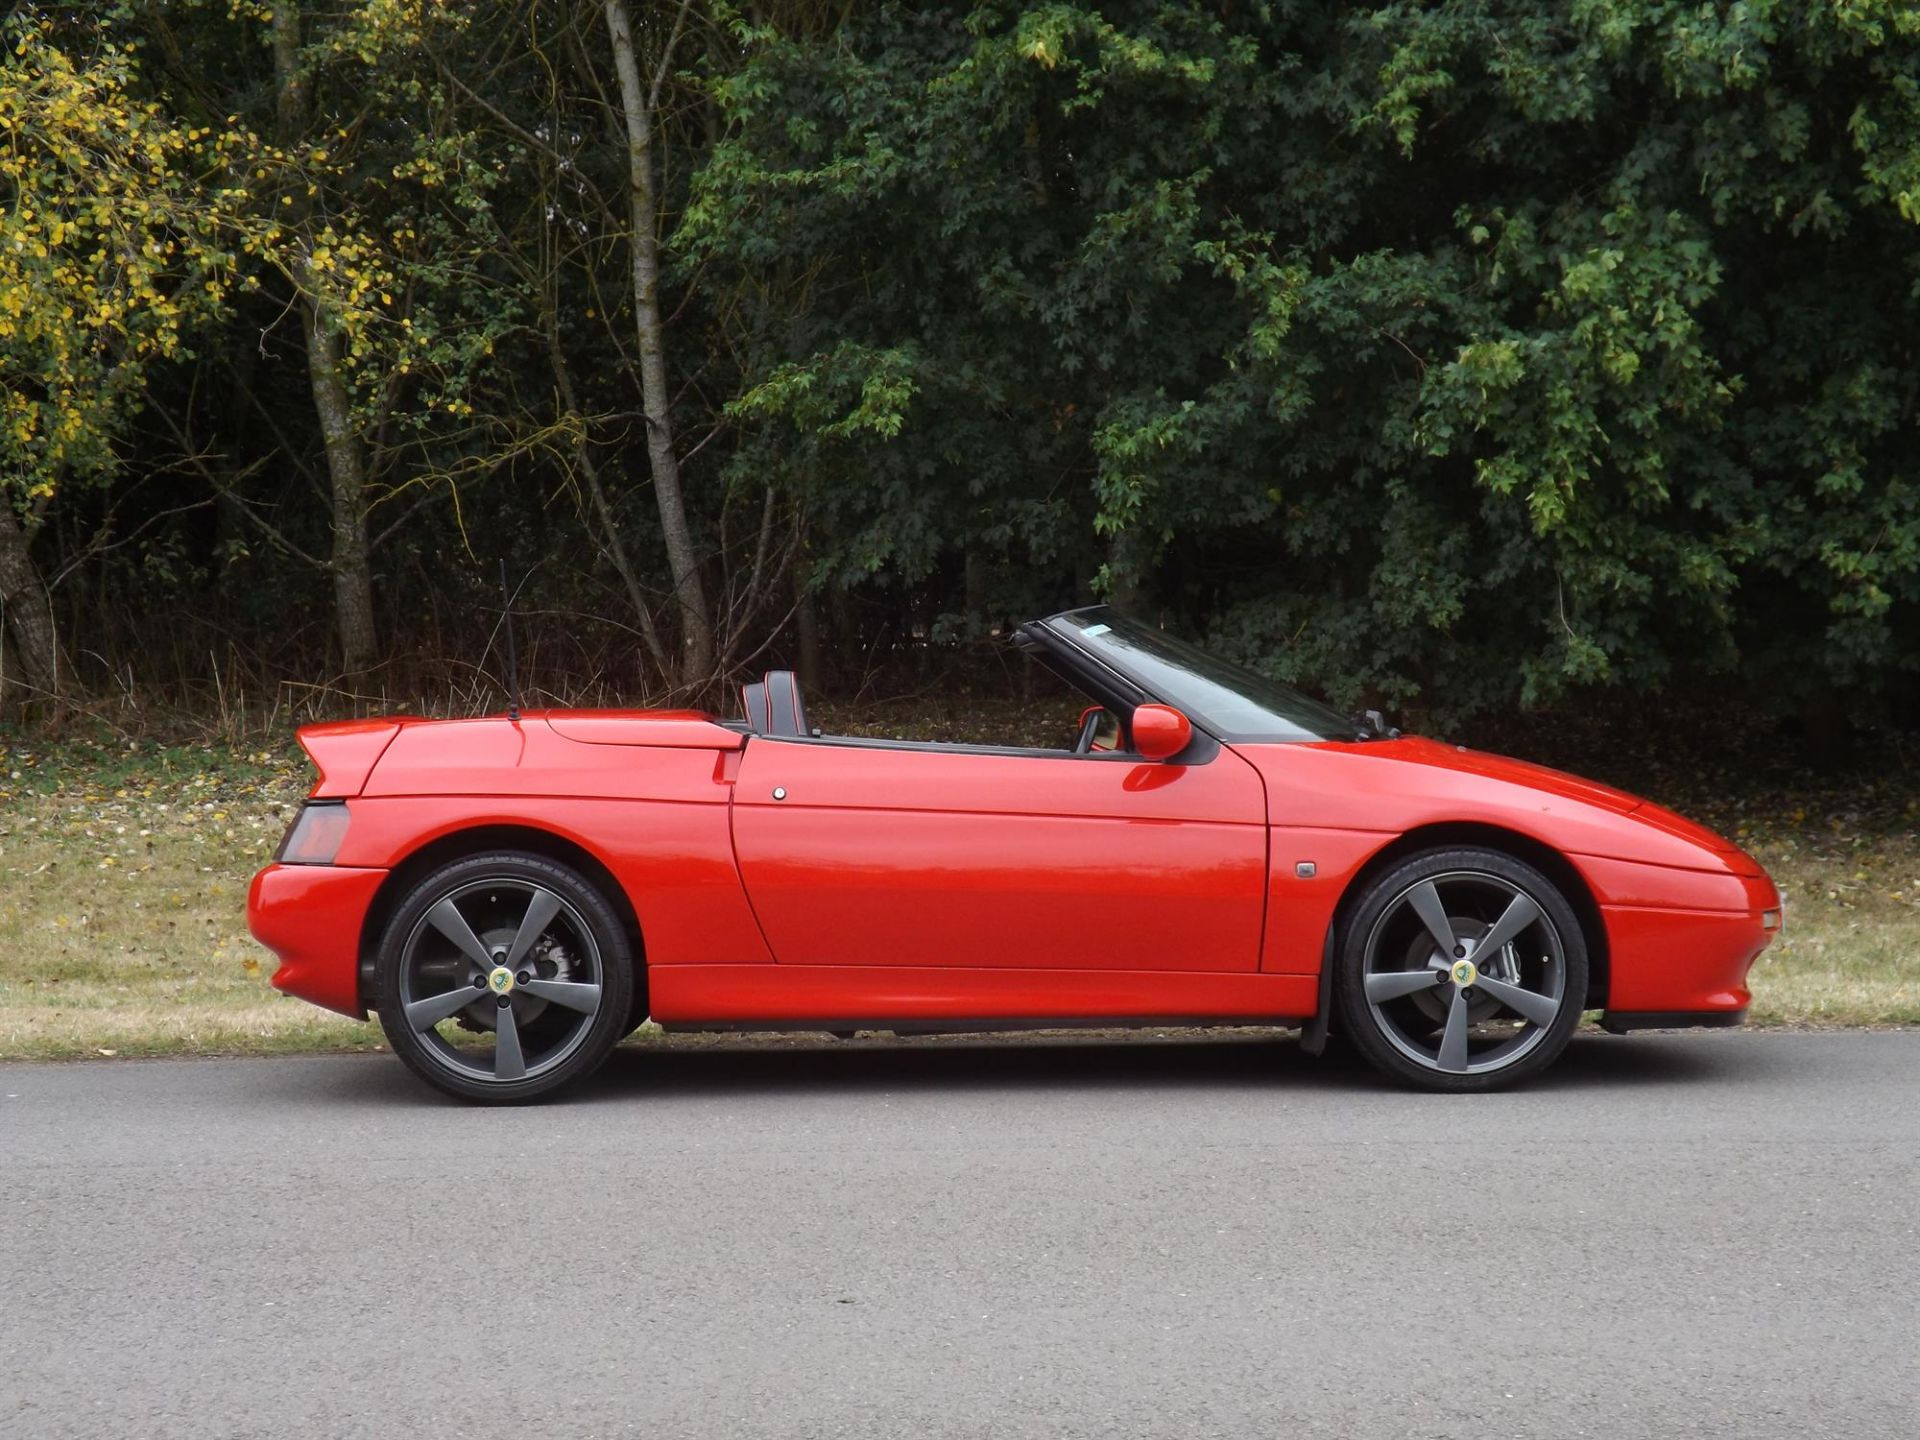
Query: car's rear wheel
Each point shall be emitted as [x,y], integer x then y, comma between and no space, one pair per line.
[1461,969]
[504,977]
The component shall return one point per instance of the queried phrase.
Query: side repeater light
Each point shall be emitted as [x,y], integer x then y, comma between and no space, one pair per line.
[316,834]
[1769,919]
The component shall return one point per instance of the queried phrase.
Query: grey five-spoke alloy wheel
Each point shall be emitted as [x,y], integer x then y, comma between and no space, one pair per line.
[1460,969]
[503,977]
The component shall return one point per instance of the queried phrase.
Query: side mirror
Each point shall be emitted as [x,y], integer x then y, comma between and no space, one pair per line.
[1160,732]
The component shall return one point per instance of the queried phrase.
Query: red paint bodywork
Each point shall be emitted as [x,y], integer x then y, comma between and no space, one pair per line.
[836,880]
[924,857]
[311,916]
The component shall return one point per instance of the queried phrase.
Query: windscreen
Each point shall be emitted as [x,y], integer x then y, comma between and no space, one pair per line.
[1231,701]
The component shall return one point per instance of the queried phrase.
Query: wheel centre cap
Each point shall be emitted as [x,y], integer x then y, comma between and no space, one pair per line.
[500,980]
[1465,972]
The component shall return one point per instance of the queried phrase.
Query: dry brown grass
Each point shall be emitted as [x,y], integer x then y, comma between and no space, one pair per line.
[123,879]
[1850,954]
[123,875]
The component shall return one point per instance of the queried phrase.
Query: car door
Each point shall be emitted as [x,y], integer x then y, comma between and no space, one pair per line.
[886,853]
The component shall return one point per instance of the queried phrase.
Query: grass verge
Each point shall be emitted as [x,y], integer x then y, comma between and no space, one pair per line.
[123,883]
[124,868]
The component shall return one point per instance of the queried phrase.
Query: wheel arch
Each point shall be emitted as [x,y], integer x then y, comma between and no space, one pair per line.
[1520,846]
[478,840]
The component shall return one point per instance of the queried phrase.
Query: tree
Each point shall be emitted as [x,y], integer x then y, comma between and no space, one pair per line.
[639,102]
[1452,353]
[111,254]
[369,204]
[307,259]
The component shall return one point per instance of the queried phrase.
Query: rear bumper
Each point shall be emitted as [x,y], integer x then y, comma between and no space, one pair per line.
[311,918]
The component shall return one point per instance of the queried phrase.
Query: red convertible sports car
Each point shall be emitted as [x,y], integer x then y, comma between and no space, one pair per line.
[513,895]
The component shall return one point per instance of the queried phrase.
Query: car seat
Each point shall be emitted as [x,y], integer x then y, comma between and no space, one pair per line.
[786,714]
[753,704]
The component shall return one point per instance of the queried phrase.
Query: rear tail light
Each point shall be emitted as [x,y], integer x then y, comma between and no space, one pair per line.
[316,834]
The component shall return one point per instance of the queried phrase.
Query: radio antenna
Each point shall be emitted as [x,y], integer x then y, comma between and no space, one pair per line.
[513,653]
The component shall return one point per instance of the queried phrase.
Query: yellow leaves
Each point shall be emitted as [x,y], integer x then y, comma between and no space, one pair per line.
[122,227]
[104,255]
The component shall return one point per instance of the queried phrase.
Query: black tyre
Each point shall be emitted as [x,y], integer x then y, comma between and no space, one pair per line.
[503,978]
[1460,969]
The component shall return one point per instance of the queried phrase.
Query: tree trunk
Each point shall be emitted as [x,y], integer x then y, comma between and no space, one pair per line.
[13,690]
[1130,583]
[602,507]
[696,623]
[974,588]
[352,569]
[346,467]
[29,616]
[806,624]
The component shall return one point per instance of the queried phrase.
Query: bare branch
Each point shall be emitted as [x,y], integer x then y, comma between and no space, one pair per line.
[661,70]
[225,487]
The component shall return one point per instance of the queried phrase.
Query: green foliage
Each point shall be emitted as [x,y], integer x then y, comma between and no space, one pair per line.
[111,246]
[1453,353]
[1448,355]
[381,206]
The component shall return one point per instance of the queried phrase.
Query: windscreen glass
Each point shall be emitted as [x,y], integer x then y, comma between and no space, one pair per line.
[1228,699]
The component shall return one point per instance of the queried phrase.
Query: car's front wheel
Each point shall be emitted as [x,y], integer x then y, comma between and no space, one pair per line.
[1461,969]
[503,977]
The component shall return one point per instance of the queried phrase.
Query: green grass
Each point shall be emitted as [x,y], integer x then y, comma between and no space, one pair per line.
[124,867]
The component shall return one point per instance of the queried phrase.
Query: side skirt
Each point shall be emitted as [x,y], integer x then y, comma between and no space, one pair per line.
[846,1029]
[893,997]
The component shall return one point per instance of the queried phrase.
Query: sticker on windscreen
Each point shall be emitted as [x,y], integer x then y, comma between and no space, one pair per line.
[1097,629]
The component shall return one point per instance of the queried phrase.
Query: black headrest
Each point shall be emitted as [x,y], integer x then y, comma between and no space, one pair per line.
[786,715]
[753,704]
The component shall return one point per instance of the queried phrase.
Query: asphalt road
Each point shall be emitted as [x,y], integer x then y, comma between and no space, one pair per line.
[1675,1235]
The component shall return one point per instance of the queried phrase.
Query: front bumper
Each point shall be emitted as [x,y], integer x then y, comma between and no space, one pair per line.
[1619,1022]
[311,917]
[1671,967]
